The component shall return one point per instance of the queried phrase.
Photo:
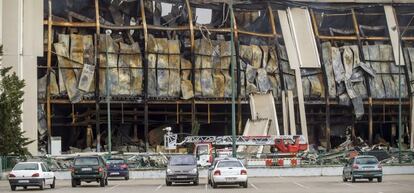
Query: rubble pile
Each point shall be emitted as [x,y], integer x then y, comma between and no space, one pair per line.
[351,148]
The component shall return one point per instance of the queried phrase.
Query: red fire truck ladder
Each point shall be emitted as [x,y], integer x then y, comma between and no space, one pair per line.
[284,143]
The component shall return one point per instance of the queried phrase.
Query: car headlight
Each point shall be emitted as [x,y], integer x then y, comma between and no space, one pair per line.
[169,171]
[193,171]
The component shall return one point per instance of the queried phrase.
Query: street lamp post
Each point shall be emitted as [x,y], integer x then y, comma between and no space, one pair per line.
[108,95]
[400,130]
[233,95]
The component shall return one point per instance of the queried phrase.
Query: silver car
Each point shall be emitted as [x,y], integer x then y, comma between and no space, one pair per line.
[362,167]
[182,169]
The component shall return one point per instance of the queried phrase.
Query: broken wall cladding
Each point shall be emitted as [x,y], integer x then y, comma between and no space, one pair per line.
[121,65]
[164,63]
[75,65]
[409,58]
[288,74]
[346,72]
[259,65]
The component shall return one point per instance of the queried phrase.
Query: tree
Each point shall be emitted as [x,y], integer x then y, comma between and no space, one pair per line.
[12,140]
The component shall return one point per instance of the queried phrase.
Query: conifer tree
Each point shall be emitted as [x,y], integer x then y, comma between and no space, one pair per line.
[12,139]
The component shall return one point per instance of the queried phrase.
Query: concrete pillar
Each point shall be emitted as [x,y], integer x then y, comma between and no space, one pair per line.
[22,35]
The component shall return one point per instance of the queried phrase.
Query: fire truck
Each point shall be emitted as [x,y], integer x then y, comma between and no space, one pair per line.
[286,146]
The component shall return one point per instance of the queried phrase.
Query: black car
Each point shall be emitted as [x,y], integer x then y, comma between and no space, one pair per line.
[89,169]
[117,167]
[182,169]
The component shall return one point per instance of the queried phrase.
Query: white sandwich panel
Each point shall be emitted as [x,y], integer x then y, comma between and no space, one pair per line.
[304,38]
[288,39]
[394,34]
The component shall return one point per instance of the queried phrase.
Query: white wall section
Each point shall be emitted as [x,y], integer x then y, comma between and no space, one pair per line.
[22,24]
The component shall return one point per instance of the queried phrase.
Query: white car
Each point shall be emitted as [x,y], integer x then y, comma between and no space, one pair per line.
[213,165]
[26,174]
[228,171]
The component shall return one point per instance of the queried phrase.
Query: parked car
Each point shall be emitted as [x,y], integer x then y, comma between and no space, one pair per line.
[361,167]
[182,169]
[117,167]
[89,169]
[213,165]
[227,172]
[26,174]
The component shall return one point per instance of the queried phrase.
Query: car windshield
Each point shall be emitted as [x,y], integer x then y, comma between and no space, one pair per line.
[87,161]
[202,150]
[26,166]
[229,164]
[182,160]
[366,160]
[115,161]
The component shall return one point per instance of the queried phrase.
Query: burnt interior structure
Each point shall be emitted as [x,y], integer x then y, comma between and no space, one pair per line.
[166,69]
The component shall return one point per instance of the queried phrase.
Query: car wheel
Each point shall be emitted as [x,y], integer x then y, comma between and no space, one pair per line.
[13,188]
[53,183]
[195,182]
[168,183]
[344,179]
[127,178]
[74,183]
[353,179]
[102,182]
[379,179]
[370,179]
[78,182]
[208,181]
[42,185]
[213,184]
[245,185]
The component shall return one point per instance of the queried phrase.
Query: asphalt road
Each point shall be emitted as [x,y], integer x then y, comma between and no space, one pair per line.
[391,184]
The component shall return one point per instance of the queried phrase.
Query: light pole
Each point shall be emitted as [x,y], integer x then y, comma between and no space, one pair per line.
[400,130]
[108,95]
[233,95]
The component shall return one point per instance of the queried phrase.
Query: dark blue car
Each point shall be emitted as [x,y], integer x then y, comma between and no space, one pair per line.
[117,167]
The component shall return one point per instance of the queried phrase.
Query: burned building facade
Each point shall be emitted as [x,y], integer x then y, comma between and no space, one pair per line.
[333,68]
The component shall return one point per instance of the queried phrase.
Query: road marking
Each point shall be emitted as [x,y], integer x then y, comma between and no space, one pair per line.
[159,187]
[254,186]
[300,185]
[113,187]
[399,184]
